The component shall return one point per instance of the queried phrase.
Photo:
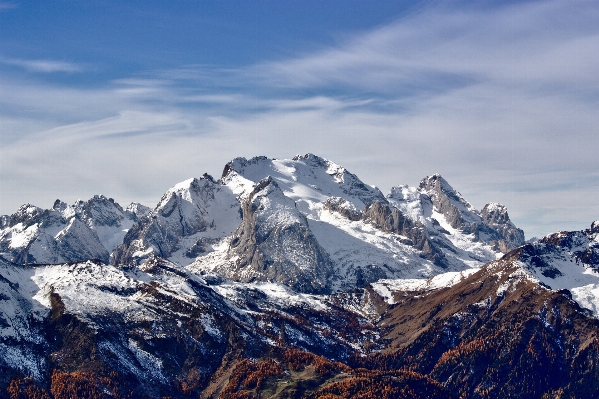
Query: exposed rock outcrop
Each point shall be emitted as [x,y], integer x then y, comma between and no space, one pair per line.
[492,225]
[189,216]
[274,243]
[496,218]
[62,234]
[391,220]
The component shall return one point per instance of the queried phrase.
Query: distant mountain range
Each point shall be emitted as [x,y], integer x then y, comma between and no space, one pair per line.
[293,278]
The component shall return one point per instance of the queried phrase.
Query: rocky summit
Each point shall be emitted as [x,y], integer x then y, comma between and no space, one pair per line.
[294,279]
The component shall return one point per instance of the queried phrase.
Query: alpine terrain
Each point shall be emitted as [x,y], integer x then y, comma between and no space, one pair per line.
[294,279]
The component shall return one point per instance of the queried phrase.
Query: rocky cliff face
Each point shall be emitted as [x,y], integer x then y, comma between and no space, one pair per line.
[448,207]
[274,243]
[448,202]
[393,221]
[190,218]
[496,218]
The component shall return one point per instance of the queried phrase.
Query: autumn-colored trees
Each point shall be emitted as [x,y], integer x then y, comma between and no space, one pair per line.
[298,359]
[248,376]
[366,384]
[68,385]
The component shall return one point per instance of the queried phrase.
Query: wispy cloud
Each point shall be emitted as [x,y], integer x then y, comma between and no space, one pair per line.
[44,66]
[7,6]
[539,44]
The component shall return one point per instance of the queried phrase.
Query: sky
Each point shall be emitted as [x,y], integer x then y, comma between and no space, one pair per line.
[126,99]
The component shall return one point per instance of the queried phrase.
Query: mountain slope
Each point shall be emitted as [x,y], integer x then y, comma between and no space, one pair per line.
[292,278]
[274,243]
[190,218]
[481,333]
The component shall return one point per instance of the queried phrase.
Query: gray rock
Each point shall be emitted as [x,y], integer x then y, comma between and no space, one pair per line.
[495,217]
[274,243]
[391,220]
[176,225]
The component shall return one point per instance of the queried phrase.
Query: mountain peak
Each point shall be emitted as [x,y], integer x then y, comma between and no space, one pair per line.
[185,184]
[59,205]
[238,165]
[495,213]
[312,159]
[437,183]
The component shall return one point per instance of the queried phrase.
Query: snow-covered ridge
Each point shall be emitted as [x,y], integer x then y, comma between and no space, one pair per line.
[388,287]
[197,221]
[190,219]
[85,230]
[307,179]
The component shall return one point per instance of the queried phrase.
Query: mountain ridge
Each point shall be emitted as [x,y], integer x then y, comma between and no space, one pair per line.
[293,278]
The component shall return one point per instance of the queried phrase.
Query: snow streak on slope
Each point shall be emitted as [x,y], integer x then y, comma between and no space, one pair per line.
[20,332]
[364,254]
[566,260]
[387,288]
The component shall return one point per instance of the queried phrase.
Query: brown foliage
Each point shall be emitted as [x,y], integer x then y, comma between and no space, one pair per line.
[26,389]
[366,384]
[81,384]
[248,376]
[299,359]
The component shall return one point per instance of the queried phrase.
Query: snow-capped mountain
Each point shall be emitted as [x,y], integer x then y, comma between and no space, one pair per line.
[66,233]
[190,219]
[365,235]
[293,278]
[350,233]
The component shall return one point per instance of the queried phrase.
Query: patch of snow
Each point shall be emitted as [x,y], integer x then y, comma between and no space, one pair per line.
[387,287]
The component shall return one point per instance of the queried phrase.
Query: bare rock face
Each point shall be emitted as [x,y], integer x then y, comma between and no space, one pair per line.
[583,246]
[189,216]
[274,243]
[496,218]
[492,225]
[391,220]
[446,200]
[343,207]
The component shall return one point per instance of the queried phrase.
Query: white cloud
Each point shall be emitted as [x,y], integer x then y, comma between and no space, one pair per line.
[7,6]
[44,66]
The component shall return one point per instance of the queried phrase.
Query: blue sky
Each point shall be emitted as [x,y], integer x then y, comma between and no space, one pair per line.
[128,98]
